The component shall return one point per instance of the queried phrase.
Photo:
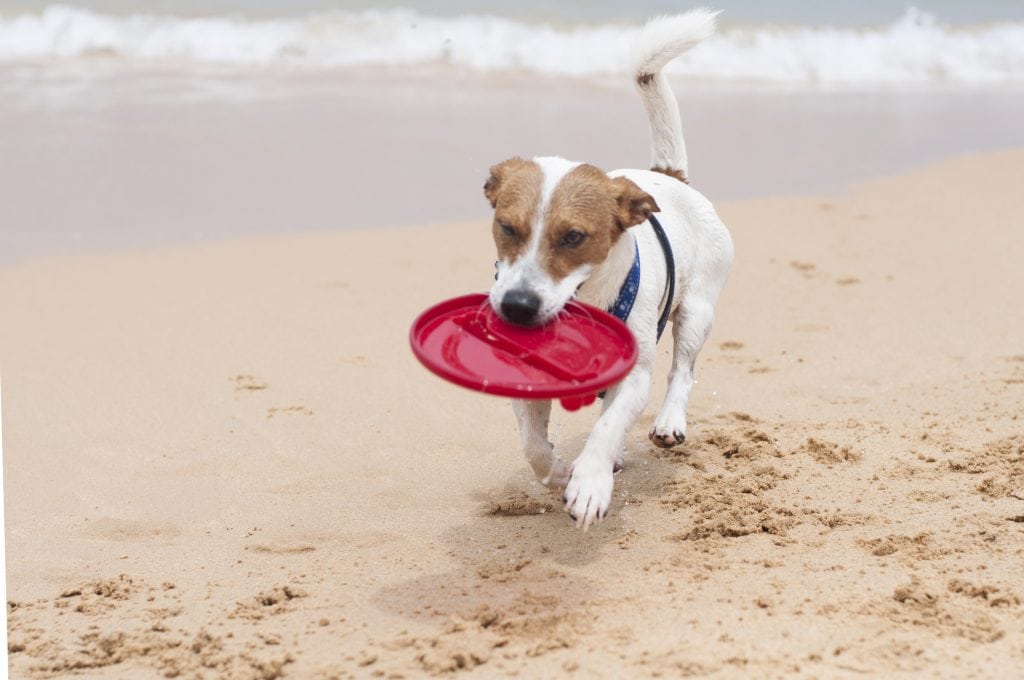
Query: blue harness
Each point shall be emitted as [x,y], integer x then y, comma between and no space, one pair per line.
[623,304]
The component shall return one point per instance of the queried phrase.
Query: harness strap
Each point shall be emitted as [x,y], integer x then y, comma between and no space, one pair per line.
[670,269]
[623,304]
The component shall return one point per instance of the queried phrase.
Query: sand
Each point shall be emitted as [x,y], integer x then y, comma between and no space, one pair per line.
[223,461]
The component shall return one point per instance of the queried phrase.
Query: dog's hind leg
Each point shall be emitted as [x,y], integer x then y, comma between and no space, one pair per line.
[533,416]
[691,323]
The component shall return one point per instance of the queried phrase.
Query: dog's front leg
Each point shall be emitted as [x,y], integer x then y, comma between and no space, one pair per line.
[533,416]
[589,491]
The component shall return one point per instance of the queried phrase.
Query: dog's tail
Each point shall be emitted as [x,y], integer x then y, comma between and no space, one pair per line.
[660,41]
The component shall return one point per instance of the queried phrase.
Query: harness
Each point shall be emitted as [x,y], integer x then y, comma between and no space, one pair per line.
[623,304]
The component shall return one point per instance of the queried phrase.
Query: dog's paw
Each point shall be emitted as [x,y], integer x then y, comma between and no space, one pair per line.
[557,477]
[588,493]
[668,439]
[667,434]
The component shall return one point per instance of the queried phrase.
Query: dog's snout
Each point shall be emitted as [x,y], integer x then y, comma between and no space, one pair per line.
[520,307]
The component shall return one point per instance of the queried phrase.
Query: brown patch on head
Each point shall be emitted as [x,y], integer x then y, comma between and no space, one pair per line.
[513,190]
[644,78]
[586,201]
[672,172]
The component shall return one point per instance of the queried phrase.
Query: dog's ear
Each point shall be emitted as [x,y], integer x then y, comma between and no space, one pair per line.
[499,173]
[634,204]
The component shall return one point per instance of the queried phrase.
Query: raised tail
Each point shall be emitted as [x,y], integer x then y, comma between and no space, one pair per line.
[660,41]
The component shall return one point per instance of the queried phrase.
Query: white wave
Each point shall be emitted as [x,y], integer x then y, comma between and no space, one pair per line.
[914,49]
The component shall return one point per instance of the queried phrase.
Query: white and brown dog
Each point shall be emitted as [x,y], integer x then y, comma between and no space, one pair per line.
[566,229]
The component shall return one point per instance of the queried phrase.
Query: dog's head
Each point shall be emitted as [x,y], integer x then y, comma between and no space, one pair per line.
[554,222]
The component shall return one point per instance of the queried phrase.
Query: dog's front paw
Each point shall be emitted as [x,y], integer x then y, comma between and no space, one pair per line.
[666,435]
[588,493]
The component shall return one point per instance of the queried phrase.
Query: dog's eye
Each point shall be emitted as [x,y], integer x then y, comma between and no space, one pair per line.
[573,238]
[508,230]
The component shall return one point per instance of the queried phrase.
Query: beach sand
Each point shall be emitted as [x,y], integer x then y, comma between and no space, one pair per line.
[222,460]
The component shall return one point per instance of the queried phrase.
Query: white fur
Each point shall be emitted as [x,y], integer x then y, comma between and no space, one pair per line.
[703,257]
[660,41]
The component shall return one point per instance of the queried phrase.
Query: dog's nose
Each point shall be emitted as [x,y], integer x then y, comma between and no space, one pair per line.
[520,307]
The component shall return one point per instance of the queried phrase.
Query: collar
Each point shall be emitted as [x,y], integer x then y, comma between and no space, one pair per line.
[623,304]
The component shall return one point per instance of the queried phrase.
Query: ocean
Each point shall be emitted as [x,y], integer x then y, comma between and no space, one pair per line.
[851,14]
[786,43]
[146,124]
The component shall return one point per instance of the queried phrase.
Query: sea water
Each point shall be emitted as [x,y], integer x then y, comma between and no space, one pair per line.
[787,42]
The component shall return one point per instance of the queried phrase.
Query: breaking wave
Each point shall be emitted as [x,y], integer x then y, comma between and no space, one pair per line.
[916,48]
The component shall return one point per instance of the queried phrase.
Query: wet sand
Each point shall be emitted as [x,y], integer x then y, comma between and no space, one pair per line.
[153,159]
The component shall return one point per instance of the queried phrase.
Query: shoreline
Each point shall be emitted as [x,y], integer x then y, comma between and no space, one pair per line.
[129,165]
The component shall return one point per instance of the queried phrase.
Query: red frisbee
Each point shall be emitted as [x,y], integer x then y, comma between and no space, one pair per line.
[572,358]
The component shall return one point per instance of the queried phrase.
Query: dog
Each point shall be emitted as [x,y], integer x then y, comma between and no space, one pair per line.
[565,229]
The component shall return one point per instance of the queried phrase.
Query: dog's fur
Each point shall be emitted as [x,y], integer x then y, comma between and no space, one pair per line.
[565,229]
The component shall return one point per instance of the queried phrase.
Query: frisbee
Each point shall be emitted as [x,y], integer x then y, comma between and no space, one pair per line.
[571,358]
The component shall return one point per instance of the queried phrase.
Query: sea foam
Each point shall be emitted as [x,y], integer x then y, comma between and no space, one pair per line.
[916,48]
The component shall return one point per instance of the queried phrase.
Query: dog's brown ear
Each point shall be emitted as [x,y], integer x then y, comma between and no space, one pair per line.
[634,204]
[499,173]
